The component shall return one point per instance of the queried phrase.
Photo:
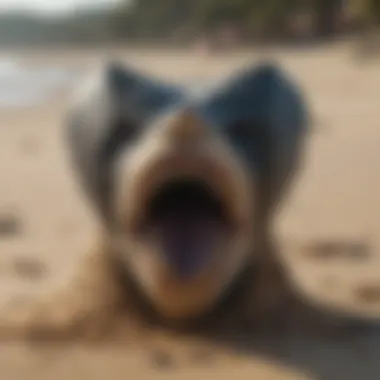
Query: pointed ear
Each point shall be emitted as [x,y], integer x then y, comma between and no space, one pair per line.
[262,94]
[270,106]
[110,112]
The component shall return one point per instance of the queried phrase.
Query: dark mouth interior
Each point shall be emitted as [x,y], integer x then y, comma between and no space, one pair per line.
[188,220]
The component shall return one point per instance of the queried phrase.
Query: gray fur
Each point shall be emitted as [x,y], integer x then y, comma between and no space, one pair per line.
[262,97]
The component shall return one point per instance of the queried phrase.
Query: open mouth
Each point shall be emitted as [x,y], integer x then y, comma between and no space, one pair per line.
[188,222]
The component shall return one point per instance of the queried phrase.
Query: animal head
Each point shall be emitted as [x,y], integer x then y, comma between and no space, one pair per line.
[183,183]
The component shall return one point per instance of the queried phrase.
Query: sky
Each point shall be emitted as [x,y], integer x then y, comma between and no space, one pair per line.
[51,6]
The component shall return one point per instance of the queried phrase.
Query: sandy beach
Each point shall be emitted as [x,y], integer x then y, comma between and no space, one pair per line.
[46,226]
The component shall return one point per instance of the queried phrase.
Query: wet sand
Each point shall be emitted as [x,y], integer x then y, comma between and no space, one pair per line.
[46,227]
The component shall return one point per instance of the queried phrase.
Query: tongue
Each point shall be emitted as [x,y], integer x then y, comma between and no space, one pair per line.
[188,239]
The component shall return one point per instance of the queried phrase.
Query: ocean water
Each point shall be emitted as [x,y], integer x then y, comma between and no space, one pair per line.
[25,86]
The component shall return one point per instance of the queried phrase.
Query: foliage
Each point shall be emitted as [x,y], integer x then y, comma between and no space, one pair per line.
[160,18]
[182,20]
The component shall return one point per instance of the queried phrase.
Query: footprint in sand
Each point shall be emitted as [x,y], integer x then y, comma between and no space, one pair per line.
[325,250]
[368,293]
[29,268]
[10,225]
[161,360]
[365,293]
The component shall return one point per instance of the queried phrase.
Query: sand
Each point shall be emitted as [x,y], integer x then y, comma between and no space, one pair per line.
[46,227]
